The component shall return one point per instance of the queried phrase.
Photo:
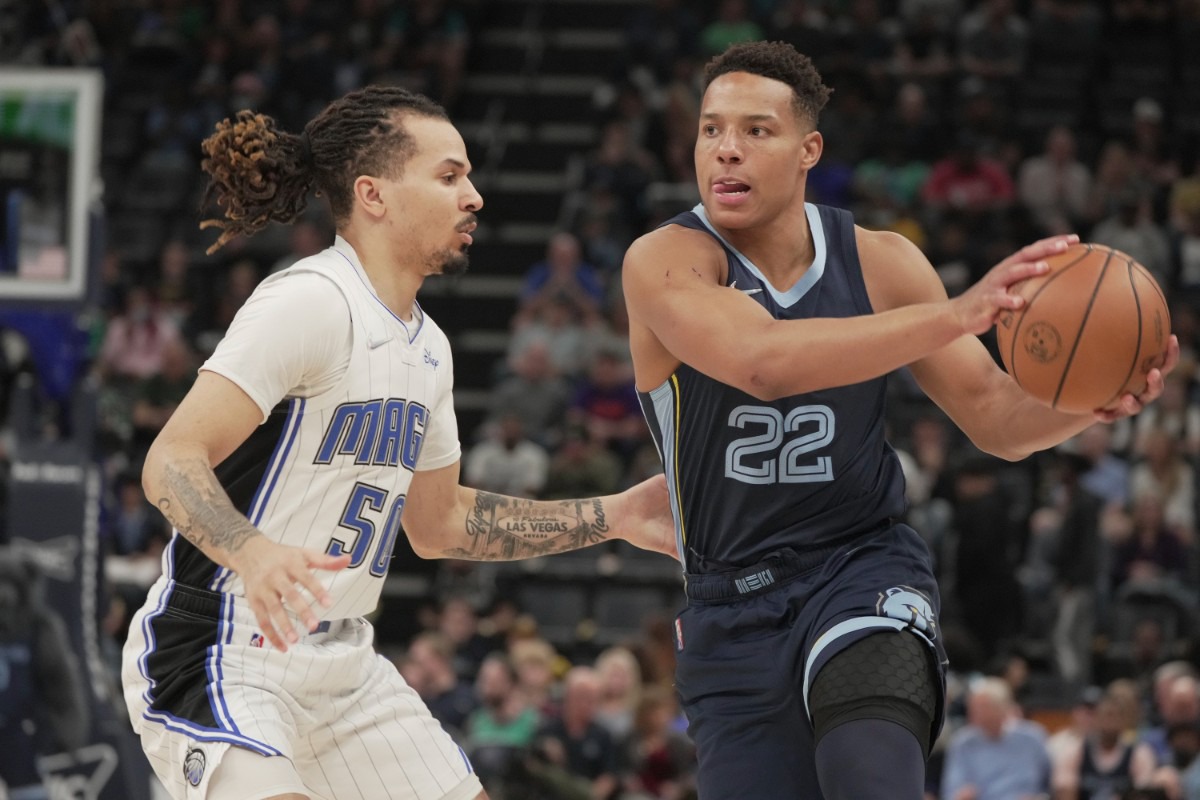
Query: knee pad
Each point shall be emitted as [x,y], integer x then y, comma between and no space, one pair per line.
[890,675]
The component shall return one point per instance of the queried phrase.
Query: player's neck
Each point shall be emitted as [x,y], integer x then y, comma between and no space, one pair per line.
[782,249]
[395,284]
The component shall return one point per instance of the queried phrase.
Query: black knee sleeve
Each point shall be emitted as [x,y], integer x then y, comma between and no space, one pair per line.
[889,675]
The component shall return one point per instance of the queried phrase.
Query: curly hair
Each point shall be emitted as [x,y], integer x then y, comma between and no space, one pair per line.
[778,61]
[259,173]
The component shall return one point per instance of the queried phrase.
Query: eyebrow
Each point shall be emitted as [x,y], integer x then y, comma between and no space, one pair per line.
[747,118]
[454,162]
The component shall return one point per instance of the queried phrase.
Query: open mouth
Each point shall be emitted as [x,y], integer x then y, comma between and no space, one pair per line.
[730,188]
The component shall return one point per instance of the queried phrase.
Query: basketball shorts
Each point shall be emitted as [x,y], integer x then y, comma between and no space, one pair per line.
[200,680]
[750,643]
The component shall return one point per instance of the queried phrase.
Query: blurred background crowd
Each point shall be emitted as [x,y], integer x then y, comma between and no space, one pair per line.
[1069,579]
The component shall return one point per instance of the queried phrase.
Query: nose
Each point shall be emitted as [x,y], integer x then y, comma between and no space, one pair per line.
[729,150]
[471,200]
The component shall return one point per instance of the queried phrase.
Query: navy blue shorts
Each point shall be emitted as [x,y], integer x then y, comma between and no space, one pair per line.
[750,643]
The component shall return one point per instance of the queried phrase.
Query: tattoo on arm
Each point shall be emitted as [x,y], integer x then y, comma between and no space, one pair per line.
[500,528]
[194,502]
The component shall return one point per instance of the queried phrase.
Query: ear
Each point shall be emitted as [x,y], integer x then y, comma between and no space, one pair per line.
[813,146]
[368,195]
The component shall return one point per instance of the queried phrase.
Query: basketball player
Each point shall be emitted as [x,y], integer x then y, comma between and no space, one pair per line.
[809,661]
[322,424]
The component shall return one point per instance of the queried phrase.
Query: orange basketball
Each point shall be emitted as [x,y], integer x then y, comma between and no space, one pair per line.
[1090,331]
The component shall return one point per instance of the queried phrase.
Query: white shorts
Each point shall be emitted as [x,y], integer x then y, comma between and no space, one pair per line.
[200,678]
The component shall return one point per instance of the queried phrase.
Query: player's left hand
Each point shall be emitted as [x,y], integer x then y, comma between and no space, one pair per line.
[646,520]
[1131,404]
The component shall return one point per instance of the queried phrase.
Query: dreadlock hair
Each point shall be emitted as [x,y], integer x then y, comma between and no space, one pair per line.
[259,173]
[778,61]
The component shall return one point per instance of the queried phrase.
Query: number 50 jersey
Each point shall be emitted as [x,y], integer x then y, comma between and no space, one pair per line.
[329,469]
[747,476]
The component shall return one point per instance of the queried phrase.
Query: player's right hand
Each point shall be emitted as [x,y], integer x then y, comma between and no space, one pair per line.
[273,574]
[979,306]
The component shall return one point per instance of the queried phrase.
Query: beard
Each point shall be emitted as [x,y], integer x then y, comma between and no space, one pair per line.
[450,262]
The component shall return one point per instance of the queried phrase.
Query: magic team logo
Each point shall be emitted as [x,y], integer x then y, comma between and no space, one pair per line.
[193,766]
[910,606]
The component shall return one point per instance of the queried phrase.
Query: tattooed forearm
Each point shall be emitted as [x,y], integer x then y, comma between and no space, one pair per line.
[502,528]
[194,502]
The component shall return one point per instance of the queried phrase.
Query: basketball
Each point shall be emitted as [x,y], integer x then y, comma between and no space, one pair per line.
[1091,329]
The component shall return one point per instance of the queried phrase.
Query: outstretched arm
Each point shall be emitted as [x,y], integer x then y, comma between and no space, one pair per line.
[964,380]
[678,305]
[446,520]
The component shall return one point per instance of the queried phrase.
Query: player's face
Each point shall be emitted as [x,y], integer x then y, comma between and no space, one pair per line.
[752,150]
[435,199]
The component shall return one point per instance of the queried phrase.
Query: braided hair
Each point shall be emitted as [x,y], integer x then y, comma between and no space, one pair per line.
[778,61]
[259,173]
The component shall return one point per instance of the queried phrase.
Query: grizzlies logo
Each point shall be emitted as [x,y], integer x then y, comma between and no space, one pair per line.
[1042,342]
[908,605]
[193,766]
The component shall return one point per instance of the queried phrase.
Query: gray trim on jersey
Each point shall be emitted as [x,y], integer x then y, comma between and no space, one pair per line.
[810,277]
[664,401]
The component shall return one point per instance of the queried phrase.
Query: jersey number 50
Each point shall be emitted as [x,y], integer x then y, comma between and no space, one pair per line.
[365,498]
[754,459]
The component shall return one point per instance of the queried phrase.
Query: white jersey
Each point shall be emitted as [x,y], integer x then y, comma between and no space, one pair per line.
[348,418]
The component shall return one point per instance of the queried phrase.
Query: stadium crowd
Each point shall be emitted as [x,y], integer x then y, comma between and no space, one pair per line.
[1069,579]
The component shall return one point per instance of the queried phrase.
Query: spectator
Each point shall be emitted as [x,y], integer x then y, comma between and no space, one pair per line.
[535,660]
[575,742]
[995,756]
[1104,763]
[504,724]
[1175,415]
[428,40]
[1132,230]
[136,340]
[623,168]
[534,392]
[562,277]
[992,42]
[1164,474]
[1054,186]
[662,760]
[658,34]
[731,24]
[156,398]
[607,404]
[582,461]
[1151,552]
[620,689]
[968,182]
[507,462]
[1179,707]
[450,700]
[1107,474]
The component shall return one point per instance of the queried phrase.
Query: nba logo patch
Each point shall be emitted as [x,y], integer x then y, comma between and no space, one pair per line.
[256,640]
[679,634]
[193,766]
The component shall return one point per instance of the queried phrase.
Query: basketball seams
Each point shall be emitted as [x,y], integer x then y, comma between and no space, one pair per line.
[1130,264]
[1020,320]
[1087,312]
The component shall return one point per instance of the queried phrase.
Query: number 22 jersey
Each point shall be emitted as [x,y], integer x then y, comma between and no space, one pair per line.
[354,400]
[748,477]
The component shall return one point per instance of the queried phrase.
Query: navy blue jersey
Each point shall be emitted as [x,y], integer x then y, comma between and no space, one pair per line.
[748,476]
